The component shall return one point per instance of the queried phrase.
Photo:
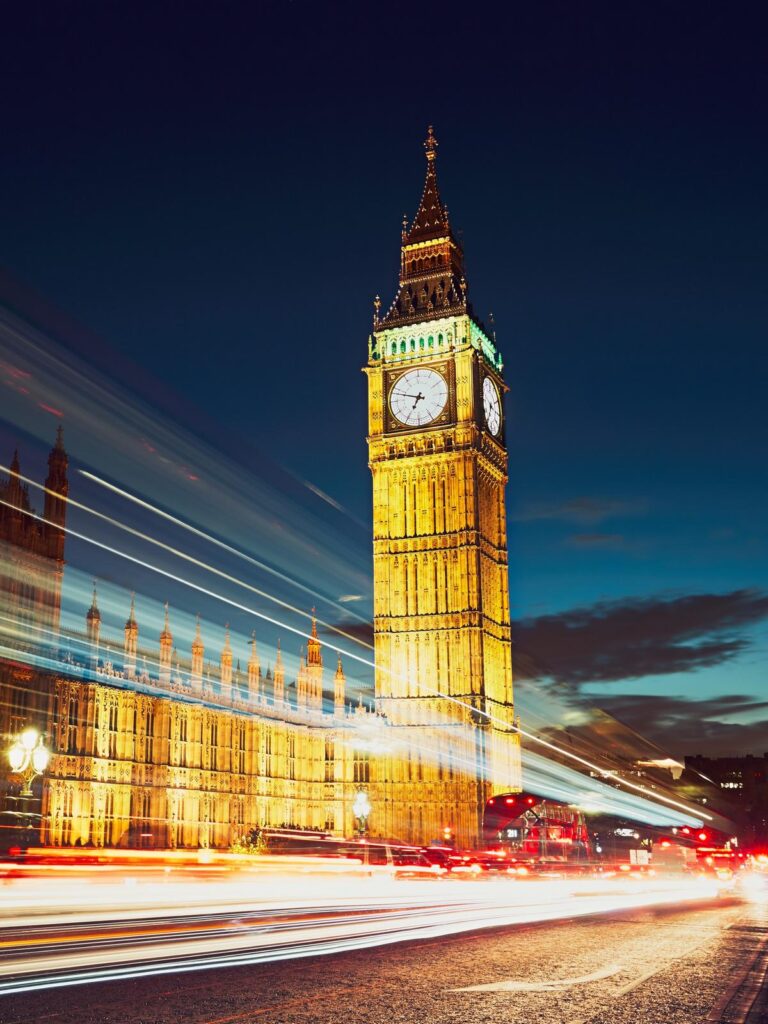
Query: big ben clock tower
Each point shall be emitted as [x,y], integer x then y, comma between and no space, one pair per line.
[441,592]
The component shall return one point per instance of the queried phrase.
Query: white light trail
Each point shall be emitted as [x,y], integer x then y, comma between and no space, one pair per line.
[368,662]
[332,915]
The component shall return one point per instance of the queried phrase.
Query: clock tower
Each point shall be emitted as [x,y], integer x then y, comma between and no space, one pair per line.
[441,592]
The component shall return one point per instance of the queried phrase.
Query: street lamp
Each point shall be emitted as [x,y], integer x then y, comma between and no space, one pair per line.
[361,809]
[28,757]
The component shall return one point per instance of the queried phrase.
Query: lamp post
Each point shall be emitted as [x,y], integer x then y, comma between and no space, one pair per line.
[28,757]
[361,809]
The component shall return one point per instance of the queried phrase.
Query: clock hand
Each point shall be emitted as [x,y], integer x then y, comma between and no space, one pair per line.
[419,398]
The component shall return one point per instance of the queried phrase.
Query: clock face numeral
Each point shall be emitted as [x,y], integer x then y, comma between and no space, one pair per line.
[491,406]
[418,397]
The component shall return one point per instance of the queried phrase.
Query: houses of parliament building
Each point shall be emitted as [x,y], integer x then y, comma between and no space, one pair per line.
[150,748]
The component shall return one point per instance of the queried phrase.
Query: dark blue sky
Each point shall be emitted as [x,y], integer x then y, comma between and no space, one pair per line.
[217,191]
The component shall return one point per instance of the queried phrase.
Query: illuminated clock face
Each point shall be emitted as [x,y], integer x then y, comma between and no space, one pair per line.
[491,406]
[418,397]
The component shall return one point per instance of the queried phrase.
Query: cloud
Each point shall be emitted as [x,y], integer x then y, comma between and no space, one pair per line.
[637,637]
[694,726]
[582,510]
[348,598]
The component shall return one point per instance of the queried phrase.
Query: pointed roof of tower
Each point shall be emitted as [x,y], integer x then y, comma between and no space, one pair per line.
[253,660]
[431,220]
[226,650]
[166,636]
[197,642]
[432,283]
[57,457]
[131,623]
[314,657]
[93,614]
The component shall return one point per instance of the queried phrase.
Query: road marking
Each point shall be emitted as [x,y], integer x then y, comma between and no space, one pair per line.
[543,986]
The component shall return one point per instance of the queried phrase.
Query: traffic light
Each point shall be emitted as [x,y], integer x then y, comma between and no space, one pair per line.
[448,835]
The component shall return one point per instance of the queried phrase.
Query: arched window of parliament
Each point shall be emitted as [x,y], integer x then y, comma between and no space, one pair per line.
[113,719]
[72,747]
[214,745]
[150,736]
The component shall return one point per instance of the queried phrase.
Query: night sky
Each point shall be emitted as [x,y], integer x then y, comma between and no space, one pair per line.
[217,191]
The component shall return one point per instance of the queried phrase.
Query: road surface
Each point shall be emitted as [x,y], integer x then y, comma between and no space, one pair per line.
[694,965]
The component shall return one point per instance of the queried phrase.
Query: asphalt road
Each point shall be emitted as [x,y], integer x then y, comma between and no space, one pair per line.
[635,967]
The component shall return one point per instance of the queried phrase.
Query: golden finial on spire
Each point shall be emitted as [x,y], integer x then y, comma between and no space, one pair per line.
[430,144]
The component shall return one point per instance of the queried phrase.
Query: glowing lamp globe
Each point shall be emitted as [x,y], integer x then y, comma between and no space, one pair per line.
[17,756]
[40,758]
[29,738]
[361,806]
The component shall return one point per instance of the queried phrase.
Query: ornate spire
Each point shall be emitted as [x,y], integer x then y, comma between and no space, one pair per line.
[93,614]
[166,650]
[166,636]
[431,220]
[131,623]
[254,669]
[198,650]
[131,640]
[93,629]
[432,261]
[225,663]
[339,688]
[57,461]
[56,490]
[314,656]
[197,643]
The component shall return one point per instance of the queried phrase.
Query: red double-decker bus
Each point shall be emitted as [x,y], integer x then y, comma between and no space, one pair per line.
[535,828]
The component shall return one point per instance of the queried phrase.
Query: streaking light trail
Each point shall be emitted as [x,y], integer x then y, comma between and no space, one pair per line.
[695,816]
[146,928]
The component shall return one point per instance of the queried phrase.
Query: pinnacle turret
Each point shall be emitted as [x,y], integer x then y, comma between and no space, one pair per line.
[314,655]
